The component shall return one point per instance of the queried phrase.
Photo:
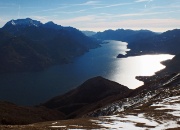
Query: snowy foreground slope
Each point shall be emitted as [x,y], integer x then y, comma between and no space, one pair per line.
[163,114]
[157,109]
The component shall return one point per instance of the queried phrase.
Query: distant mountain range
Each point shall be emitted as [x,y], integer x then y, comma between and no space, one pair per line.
[89,33]
[29,45]
[144,41]
[124,35]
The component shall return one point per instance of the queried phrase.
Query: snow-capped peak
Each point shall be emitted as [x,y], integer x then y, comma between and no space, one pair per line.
[25,22]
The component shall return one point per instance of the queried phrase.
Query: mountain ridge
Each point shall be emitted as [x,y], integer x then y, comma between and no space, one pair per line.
[91,91]
[26,47]
[144,41]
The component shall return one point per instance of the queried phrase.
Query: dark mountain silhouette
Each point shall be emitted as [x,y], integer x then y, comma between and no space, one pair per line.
[172,66]
[29,45]
[52,25]
[21,54]
[91,91]
[124,35]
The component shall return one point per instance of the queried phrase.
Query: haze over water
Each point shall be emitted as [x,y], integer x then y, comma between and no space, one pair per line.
[37,87]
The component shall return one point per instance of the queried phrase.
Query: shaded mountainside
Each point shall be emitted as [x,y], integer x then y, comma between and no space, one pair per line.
[167,42]
[153,86]
[172,66]
[86,97]
[11,114]
[89,33]
[27,45]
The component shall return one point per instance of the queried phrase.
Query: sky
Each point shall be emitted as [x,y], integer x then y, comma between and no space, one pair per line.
[96,15]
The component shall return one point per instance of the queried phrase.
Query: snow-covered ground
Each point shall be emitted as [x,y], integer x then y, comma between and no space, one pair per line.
[161,114]
[141,121]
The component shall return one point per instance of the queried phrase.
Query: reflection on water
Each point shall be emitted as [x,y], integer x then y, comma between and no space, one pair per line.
[120,46]
[37,87]
[145,65]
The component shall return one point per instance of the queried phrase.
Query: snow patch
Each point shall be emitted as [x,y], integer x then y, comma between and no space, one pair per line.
[127,122]
[13,23]
[58,126]
[54,123]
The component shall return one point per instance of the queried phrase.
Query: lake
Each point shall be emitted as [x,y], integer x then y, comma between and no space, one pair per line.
[36,87]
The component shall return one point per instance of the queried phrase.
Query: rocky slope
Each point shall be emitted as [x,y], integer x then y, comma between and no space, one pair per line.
[11,114]
[172,66]
[153,90]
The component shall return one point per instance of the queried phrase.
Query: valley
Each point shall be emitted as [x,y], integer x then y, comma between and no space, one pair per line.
[62,79]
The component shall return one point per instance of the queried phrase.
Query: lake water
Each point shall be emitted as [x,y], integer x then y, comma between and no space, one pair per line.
[36,87]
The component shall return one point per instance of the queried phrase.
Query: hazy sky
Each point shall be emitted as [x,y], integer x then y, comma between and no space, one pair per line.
[96,15]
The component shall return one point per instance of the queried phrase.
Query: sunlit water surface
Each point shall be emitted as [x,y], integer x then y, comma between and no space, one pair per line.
[37,87]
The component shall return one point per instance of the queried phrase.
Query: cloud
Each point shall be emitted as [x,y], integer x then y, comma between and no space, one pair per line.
[97,3]
[166,7]
[43,19]
[46,10]
[112,5]
[90,3]
[131,15]
[70,12]
[81,19]
[62,6]
[143,1]
[158,25]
